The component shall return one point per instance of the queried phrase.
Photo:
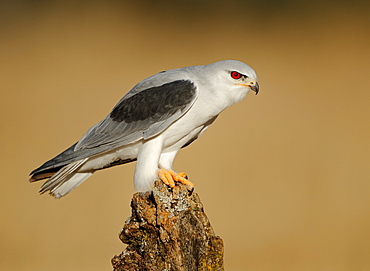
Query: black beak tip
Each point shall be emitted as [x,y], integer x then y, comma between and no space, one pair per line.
[256,88]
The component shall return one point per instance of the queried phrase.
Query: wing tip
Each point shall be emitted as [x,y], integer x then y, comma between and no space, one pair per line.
[42,175]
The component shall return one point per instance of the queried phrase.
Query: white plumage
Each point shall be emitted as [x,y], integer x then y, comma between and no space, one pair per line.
[150,124]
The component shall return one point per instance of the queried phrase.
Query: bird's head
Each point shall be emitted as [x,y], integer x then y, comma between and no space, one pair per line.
[233,79]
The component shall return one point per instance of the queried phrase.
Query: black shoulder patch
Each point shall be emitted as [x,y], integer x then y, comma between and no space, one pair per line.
[153,103]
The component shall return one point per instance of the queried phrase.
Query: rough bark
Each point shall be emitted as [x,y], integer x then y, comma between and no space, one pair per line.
[168,230]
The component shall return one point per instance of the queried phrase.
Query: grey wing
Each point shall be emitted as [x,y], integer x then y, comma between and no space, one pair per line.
[141,115]
[143,112]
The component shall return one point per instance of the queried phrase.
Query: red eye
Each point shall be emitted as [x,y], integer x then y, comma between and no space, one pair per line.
[235,75]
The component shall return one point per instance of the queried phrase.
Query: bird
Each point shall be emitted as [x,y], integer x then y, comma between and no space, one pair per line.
[150,124]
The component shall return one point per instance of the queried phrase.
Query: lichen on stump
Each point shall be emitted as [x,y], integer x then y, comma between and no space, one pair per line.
[168,230]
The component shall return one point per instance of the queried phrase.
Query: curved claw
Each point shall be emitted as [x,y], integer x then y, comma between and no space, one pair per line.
[184,175]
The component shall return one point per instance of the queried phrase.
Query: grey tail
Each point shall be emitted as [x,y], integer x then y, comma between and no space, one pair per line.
[64,180]
[63,171]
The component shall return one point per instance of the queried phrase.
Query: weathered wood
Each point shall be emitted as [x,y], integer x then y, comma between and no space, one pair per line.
[168,230]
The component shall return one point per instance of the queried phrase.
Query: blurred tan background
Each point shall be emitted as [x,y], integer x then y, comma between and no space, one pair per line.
[284,176]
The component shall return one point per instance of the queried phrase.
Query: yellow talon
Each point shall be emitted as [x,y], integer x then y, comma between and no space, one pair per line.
[169,177]
[166,177]
[183,174]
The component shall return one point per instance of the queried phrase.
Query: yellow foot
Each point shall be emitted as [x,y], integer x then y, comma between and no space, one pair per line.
[169,177]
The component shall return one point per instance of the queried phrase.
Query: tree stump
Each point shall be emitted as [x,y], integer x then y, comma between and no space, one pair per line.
[168,230]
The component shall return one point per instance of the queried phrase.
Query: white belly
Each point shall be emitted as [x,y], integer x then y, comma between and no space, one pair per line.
[100,161]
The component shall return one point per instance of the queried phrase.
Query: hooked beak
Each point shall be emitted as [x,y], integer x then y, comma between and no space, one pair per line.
[255,87]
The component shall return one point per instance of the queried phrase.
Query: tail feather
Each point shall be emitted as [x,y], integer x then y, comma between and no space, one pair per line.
[67,186]
[65,180]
